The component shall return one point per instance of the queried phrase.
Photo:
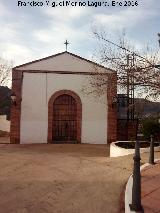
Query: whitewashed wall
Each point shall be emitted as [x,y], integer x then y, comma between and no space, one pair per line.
[36,91]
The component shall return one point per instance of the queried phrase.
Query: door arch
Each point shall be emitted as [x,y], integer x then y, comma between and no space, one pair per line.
[64,117]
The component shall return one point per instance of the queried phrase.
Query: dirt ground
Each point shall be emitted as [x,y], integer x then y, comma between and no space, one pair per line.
[62,178]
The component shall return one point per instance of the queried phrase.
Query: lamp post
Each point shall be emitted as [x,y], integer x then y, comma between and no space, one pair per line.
[151,156]
[159,125]
[136,188]
[13,99]
[157,66]
[159,39]
[114,101]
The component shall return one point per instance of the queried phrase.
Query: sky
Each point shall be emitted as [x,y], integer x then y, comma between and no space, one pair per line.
[30,32]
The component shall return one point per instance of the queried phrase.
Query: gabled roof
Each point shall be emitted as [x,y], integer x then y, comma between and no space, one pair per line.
[55,55]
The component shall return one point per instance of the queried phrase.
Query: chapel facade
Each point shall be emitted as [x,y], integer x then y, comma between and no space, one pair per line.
[51,106]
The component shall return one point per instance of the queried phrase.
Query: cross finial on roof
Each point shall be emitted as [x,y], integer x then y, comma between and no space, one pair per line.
[66,43]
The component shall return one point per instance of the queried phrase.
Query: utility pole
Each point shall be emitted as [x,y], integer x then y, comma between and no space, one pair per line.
[130,89]
[130,86]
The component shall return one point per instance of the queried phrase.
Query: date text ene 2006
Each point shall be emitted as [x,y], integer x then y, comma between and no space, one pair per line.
[125,3]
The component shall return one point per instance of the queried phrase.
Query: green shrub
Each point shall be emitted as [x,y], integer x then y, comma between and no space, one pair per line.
[150,127]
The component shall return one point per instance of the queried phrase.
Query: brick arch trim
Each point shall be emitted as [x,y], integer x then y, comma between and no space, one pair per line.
[50,113]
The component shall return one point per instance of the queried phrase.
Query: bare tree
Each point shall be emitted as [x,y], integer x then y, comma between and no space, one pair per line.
[5,72]
[132,66]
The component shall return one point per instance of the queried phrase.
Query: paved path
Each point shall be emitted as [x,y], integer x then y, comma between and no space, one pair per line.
[62,178]
[151,188]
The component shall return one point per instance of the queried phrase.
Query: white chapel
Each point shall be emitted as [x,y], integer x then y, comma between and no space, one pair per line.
[51,106]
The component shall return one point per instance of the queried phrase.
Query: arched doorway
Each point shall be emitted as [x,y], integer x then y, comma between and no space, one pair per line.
[64,117]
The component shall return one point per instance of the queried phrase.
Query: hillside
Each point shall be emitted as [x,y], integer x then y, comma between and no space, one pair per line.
[142,106]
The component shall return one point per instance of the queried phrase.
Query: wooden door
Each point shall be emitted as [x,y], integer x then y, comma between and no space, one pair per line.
[65,119]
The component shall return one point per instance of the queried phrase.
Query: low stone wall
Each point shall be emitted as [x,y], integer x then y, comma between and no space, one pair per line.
[4,124]
[116,151]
